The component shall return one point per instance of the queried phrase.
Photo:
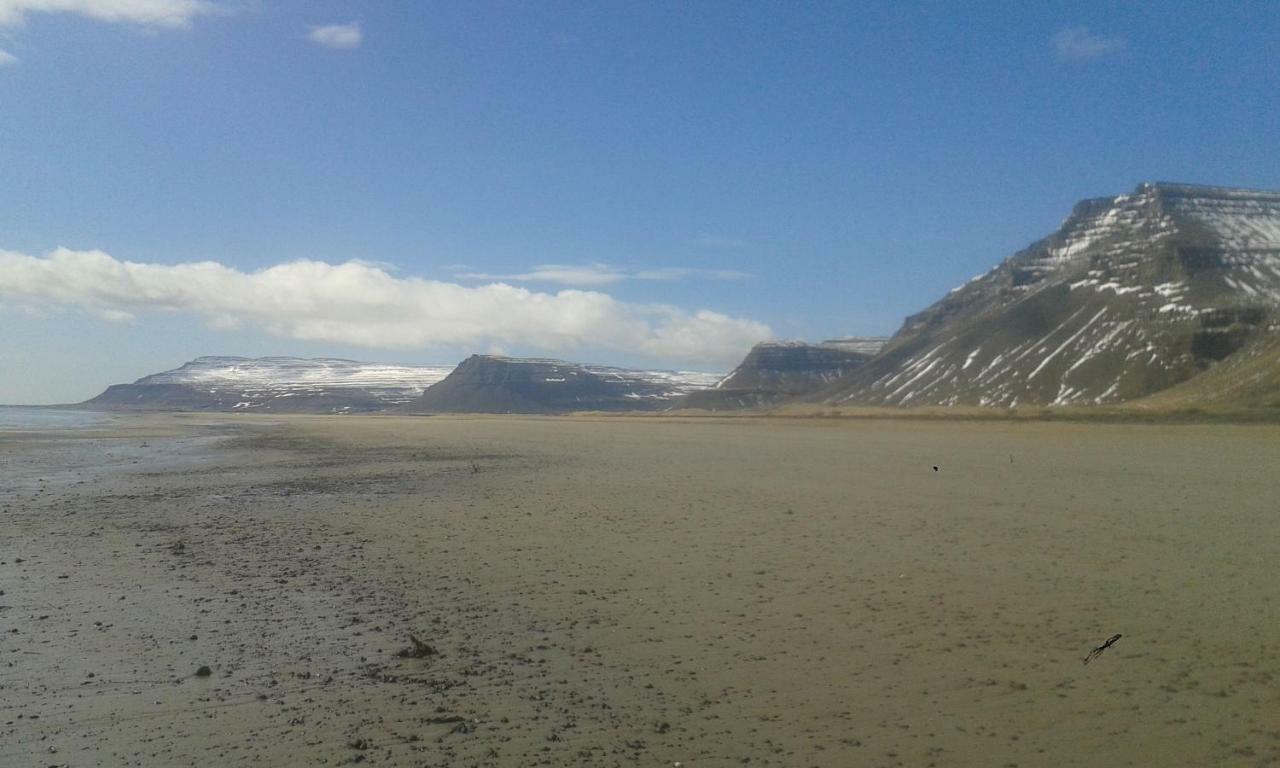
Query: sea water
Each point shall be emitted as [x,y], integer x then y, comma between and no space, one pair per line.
[17,418]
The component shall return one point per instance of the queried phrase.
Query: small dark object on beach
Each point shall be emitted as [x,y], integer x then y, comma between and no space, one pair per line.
[935,467]
[475,468]
[420,650]
[178,548]
[1096,652]
[204,672]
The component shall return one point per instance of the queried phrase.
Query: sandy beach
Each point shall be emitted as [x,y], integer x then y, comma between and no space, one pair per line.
[638,591]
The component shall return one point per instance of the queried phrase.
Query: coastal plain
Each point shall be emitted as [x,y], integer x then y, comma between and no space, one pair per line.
[614,591]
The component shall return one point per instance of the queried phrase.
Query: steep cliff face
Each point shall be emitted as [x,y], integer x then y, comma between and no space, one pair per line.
[491,384]
[776,371]
[1131,296]
[286,384]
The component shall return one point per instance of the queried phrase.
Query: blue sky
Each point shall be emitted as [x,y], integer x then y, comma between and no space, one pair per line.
[697,174]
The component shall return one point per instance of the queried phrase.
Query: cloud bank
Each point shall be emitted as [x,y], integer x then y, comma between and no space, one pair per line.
[150,13]
[362,304]
[603,274]
[337,35]
[1079,44]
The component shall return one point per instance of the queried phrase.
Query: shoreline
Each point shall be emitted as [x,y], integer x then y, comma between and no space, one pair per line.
[1120,414]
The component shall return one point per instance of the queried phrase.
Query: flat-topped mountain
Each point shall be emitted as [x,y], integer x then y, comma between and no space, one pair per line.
[778,370]
[274,384]
[1132,295]
[492,384]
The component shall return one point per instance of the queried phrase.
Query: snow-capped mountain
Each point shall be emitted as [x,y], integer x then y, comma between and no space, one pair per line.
[1132,295]
[276,384]
[492,384]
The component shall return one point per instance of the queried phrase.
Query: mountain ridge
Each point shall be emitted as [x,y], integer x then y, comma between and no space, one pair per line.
[497,384]
[1130,296]
[277,383]
[1169,294]
[774,371]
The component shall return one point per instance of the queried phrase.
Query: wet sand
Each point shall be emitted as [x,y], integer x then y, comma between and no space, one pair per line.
[617,591]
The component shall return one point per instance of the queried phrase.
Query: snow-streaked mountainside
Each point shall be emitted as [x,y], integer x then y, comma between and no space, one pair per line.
[777,370]
[665,384]
[284,375]
[276,383]
[863,345]
[1248,378]
[1132,295]
[494,384]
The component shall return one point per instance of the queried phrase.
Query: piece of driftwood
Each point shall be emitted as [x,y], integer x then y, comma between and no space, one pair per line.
[1096,652]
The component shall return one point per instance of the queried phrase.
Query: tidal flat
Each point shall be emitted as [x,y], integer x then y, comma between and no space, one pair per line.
[638,591]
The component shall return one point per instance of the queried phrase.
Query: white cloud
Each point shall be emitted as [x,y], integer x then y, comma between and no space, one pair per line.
[362,304]
[603,274]
[116,316]
[150,13]
[337,35]
[7,59]
[683,273]
[1079,44]
[564,274]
